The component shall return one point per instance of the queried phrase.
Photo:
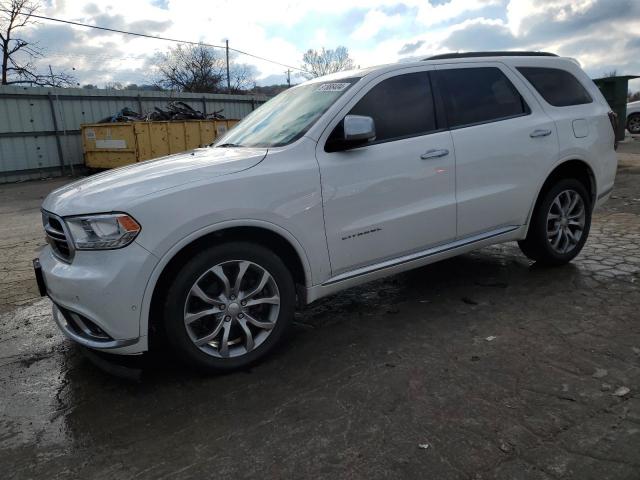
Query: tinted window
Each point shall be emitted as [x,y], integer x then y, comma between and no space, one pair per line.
[558,87]
[477,95]
[400,106]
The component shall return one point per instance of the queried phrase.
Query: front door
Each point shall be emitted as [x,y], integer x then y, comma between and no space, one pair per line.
[396,195]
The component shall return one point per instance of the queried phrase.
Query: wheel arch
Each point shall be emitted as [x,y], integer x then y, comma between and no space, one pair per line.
[569,168]
[276,238]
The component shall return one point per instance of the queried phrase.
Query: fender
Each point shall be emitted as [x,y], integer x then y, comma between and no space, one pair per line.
[562,160]
[168,255]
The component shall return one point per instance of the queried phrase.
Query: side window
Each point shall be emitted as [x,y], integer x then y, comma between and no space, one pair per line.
[479,95]
[558,87]
[400,106]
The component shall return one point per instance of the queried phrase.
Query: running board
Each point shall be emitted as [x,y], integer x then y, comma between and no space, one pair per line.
[395,265]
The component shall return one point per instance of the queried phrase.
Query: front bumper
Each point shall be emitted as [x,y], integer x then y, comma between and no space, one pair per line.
[98,297]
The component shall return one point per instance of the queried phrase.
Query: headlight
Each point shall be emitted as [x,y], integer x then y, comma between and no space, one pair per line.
[102,232]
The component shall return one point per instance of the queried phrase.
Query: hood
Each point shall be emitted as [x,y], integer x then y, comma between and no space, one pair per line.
[115,189]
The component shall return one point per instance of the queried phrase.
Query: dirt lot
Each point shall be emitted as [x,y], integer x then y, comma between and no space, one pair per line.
[480,367]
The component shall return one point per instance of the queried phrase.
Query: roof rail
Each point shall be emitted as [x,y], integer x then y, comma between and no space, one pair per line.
[510,53]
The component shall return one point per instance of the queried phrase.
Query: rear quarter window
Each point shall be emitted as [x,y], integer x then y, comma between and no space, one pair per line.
[558,87]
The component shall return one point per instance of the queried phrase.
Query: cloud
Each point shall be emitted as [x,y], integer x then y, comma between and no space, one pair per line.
[91,9]
[408,48]
[275,80]
[481,35]
[374,22]
[433,13]
[633,43]
[397,9]
[601,34]
[118,22]
[164,4]
[562,20]
[596,32]
[150,26]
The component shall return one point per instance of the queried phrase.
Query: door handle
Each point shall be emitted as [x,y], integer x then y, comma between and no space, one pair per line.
[436,153]
[540,132]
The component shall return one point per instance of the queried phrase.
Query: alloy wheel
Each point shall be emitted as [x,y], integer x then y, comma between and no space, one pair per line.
[232,308]
[566,221]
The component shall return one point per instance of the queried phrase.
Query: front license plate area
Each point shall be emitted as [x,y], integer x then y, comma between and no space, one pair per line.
[37,269]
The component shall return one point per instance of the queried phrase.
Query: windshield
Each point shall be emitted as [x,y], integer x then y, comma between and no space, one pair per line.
[286,117]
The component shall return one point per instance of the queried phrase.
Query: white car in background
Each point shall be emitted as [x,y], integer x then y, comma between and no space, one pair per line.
[335,182]
[633,117]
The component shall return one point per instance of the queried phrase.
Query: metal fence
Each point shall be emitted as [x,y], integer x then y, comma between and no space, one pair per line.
[40,127]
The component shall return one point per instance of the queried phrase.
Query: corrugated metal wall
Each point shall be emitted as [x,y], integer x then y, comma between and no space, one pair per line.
[28,140]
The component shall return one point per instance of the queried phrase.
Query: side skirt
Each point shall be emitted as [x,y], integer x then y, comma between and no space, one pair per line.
[408,262]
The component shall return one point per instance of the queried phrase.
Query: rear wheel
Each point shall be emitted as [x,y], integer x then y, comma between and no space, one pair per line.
[633,123]
[229,306]
[560,224]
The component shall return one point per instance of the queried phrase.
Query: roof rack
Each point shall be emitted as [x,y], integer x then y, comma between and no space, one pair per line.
[510,53]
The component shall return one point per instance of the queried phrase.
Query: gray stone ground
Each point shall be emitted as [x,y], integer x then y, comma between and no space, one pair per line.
[503,369]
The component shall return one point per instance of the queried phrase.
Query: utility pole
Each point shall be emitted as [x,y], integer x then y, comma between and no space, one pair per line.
[228,77]
[52,78]
[289,77]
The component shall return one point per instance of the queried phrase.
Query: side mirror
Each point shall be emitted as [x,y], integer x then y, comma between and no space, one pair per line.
[358,129]
[353,131]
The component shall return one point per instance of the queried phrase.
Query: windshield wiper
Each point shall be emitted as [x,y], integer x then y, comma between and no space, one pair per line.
[228,145]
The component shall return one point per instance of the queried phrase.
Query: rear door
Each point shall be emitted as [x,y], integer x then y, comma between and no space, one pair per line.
[503,141]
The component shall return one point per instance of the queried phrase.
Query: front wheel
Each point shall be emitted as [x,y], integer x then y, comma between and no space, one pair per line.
[229,306]
[560,224]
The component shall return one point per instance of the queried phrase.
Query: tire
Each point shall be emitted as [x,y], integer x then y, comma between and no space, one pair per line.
[633,123]
[199,304]
[542,243]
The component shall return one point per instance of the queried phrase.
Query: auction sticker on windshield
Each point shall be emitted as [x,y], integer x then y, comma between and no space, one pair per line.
[332,87]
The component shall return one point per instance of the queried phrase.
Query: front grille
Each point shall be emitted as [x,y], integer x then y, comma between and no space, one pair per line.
[56,235]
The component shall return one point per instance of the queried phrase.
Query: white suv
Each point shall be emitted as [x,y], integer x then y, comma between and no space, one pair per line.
[335,182]
[633,117]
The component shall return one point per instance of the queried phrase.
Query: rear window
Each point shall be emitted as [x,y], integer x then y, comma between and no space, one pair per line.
[558,87]
[479,95]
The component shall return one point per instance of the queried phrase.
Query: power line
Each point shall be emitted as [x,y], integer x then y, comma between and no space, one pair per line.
[96,56]
[154,37]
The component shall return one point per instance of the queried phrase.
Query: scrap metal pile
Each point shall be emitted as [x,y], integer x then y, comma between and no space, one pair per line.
[174,111]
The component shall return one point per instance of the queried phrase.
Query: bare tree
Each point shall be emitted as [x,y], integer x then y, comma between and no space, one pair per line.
[18,54]
[242,77]
[198,68]
[113,86]
[317,63]
[191,68]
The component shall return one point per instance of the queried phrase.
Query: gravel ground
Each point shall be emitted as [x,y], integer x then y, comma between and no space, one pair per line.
[480,367]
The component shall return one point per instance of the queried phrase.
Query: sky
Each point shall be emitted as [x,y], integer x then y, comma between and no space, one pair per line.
[603,35]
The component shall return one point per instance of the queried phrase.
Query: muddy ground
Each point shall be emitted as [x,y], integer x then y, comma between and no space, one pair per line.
[480,367]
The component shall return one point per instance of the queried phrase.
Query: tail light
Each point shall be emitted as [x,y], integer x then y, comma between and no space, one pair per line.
[613,118]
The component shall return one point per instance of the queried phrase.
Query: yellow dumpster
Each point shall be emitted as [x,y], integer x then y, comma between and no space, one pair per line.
[110,145]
